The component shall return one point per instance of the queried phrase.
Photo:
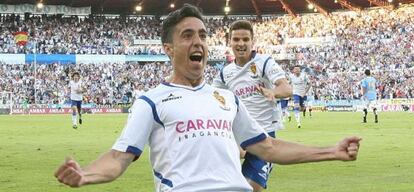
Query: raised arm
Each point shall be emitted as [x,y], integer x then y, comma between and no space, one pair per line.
[284,152]
[106,168]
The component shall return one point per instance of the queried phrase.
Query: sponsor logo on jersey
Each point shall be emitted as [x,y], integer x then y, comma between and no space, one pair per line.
[248,91]
[171,97]
[195,128]
[221,100]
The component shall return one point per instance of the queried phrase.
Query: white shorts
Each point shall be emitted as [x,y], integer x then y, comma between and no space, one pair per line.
[309,104]
[370,105]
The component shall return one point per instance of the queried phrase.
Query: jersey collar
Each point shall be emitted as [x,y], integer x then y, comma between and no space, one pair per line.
[196,88]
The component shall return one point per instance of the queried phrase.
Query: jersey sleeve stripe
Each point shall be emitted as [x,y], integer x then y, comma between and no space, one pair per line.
[222,75]
[236,99]
[163,180]
[154,110]
[133,150]
[264,66]
[253,140]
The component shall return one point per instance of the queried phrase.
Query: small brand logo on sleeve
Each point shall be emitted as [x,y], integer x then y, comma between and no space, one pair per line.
[171,97]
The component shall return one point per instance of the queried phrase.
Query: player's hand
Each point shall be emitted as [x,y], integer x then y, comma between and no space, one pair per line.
[347,149]
[268,93]
[70,173]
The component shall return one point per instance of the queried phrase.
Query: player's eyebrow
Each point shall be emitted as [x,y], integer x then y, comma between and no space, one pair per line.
[202,30]
[192,31]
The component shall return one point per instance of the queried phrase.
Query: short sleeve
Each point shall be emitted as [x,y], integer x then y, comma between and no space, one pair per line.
[363,83]
[246,130]
[137,130]
[273,71]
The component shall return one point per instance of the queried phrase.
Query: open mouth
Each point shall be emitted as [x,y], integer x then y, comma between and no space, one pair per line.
[241,49]
[196,57]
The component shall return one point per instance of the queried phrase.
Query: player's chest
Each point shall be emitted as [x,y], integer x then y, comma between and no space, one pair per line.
[298,81]
[195,107]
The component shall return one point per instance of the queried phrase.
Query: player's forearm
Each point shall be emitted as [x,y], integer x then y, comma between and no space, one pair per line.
[107,168]
[282,91]
[293,153]
[284,153]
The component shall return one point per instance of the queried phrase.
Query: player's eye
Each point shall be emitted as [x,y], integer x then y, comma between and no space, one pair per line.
[187,35]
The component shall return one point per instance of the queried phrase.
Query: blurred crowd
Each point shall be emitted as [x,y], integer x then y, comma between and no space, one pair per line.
[334,51]
[105,84]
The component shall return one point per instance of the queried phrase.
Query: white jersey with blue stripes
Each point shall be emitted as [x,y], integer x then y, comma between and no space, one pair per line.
[261,70]
[193,135]
[75,87]
[299,83]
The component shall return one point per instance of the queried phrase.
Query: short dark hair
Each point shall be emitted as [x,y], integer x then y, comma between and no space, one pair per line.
[168,25]
[300,67]
[75,73]
[367,72]
[241,24]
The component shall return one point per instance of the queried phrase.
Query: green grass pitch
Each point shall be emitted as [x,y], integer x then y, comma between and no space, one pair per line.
[32,147]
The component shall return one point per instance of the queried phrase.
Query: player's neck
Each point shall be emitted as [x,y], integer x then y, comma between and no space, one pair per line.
[181,80]
[241,61]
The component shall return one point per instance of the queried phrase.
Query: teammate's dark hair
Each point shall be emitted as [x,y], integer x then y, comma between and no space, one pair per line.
[168,25]
[296,66]
[367,72]
[241,24]
[75,73]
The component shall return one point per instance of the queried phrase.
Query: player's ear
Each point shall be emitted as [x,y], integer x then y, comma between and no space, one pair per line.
[169,49]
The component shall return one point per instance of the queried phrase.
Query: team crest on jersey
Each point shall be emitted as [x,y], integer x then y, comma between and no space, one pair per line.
[253,70]
[221,100]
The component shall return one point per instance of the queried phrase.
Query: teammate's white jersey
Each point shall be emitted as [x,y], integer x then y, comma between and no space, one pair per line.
[74,87]
[261,70]
[137,93]
[299,84]
[193,134]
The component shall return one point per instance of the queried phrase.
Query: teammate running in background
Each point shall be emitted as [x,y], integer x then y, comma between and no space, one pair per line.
[369,95]
[257,80]
[301,86]
[76,96]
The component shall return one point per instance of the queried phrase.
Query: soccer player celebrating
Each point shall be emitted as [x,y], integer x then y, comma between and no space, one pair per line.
[369,95]
[192,128]
[76,97]
[301,86]
[257,80]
